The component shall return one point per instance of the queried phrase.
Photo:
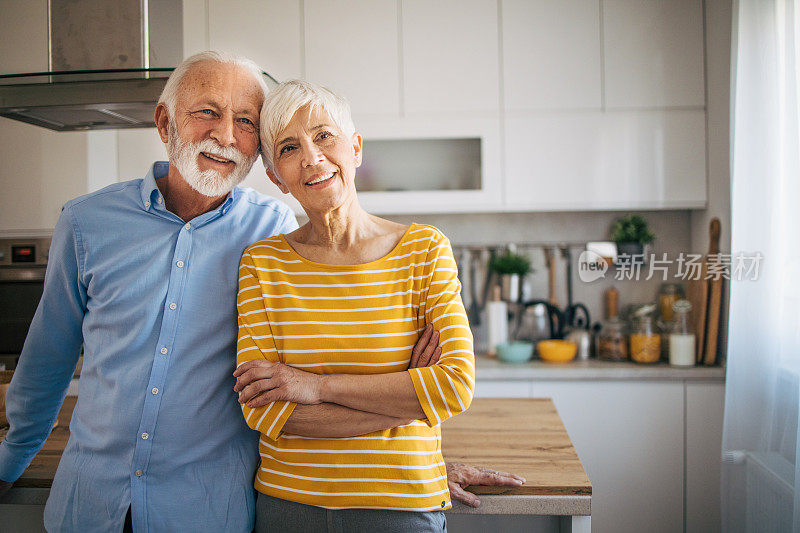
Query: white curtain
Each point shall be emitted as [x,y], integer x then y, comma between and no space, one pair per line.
[761,461]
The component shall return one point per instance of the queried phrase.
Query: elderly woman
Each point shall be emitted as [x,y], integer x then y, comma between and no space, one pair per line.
[353,341]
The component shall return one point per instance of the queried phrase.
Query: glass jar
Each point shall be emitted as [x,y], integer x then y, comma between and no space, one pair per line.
[667,296]
[664,328]
[682,349]
[612,341]
[645,342]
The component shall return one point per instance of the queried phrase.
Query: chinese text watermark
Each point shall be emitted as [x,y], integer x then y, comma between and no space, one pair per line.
[739,266]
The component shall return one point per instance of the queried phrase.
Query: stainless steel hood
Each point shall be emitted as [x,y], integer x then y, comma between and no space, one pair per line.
[108,61]
[87,100]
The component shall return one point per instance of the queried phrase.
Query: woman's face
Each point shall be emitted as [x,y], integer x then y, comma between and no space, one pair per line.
[315,161]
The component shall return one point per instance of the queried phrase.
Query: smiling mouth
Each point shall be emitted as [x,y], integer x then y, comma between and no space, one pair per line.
[216,158]
[322,179]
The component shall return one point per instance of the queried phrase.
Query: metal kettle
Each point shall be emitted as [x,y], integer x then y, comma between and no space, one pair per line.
[538,320]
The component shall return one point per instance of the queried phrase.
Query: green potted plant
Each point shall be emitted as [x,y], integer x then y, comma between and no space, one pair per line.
[511,267]
[631,234]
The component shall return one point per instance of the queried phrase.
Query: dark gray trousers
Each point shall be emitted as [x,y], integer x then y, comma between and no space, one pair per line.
[282,516]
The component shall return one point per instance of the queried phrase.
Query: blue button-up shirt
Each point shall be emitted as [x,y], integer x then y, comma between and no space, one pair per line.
[152,299]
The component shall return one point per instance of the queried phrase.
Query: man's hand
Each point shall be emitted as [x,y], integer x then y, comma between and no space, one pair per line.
[460,476]
[260,382]
[426,351]
[5,486]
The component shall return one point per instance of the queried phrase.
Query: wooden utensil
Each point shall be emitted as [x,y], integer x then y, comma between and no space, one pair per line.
[550,260]
[714,294]
[698,292]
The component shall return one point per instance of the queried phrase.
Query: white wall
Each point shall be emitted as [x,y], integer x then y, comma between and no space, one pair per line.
[40,170]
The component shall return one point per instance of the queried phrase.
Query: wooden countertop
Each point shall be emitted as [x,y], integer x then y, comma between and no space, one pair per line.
[524,436]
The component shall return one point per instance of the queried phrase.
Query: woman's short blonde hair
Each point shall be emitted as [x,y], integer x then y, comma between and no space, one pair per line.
[282,103]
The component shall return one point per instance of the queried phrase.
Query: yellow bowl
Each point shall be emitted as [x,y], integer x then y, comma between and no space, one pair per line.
[556,351]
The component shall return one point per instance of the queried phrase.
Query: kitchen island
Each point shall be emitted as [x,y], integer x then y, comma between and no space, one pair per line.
[524,436]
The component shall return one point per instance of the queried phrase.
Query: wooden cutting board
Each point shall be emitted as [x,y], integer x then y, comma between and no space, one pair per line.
[714,296]
[705,296]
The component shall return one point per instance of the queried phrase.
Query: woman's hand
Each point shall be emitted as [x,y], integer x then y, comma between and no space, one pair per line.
[427,351]
[260,382]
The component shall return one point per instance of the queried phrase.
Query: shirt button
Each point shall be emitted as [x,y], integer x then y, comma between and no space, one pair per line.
[173,306]
[160,200]
[154,390]
[138,473]
[145,436]
[188,226]
[164,351]
[179,264]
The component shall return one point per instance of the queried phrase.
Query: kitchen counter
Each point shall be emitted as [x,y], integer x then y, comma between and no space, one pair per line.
[527,437]
[487,368]
[524,436]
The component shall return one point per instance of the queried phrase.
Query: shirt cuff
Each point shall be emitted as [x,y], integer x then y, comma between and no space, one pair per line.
[424,395]
[274,429]
[11,464]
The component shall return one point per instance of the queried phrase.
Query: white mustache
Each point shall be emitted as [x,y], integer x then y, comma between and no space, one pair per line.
[210,146]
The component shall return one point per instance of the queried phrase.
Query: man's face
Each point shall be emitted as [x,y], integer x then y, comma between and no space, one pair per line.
[213,135]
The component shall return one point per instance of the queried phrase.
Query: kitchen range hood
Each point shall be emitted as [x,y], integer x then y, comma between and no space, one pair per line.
[108,61]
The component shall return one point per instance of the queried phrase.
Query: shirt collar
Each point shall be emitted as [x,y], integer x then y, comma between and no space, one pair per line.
[150,191]
[159,169]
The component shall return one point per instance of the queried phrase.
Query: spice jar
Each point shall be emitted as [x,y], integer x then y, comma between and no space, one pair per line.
[612,341]
[645,342]
[667,296]
[682,338]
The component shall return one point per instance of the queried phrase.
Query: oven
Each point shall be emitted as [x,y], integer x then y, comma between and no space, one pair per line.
[22,266]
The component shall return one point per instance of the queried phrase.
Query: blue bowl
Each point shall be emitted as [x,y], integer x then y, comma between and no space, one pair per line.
[515,352]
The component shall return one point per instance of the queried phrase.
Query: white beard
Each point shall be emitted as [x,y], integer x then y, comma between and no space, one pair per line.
[184,154]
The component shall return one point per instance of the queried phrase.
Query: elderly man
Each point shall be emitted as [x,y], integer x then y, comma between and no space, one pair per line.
[143,276]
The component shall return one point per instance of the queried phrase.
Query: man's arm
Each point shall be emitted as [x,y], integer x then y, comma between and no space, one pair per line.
[49,355]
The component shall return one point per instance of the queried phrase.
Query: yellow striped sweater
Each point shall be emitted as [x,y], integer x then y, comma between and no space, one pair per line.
[357,319]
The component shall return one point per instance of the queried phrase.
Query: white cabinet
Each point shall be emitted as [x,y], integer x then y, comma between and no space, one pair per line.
[615,160]
[266,31]
[23,27]
[705,407]
[503,389]
[551,54]
[653,53]
[450,56]
[486,198]
[351,46]
[619,160]
[629,437]
[650,448]
[602,103]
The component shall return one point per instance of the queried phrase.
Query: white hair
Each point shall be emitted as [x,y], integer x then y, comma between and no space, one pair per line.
[169,96]
[282,103]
